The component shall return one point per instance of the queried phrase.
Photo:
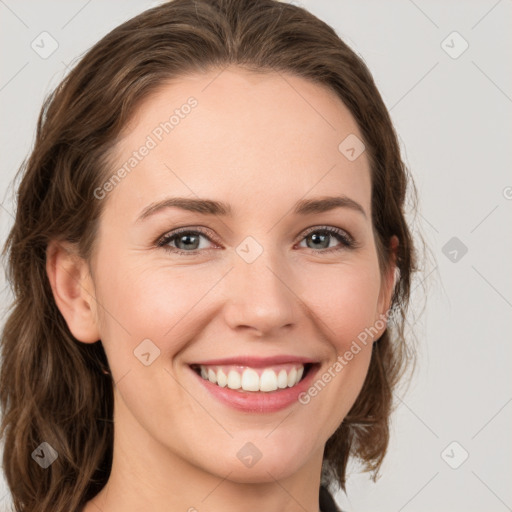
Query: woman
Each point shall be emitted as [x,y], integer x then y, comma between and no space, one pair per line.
[209,241]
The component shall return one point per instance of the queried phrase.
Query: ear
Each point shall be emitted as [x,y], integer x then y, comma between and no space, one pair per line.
[73,290]
[389,280]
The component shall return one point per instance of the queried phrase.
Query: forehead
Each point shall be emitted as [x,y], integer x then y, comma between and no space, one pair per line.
[266,136]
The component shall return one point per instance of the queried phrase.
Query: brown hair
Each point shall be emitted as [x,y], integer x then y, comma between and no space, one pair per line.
[52,387]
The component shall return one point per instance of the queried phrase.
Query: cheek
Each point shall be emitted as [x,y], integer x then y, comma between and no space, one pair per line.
[156,302]
[344,302]
[344,299]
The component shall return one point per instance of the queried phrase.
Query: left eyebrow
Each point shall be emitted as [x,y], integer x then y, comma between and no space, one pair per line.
[211,207]
[324,204]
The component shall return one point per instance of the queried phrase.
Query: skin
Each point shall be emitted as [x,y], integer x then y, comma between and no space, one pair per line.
[261,143]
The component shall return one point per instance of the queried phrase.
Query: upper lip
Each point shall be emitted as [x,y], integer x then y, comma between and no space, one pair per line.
[256,362]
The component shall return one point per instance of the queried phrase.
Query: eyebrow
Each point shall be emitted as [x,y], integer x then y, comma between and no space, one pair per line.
[211,207]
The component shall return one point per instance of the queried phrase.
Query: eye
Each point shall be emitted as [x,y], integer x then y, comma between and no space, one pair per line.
[185,237]
[321,237]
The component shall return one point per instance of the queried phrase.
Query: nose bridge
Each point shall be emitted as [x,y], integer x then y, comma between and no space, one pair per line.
[259,295]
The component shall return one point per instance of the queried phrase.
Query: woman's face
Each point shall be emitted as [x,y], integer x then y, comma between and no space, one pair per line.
[256,282]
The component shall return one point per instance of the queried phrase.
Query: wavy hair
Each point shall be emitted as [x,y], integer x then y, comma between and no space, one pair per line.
[54,388]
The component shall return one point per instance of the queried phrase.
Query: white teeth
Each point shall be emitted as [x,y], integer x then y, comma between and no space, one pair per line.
[282,379]
[268,380]
[251,380]
[292,377]
[234,380]
[222,379]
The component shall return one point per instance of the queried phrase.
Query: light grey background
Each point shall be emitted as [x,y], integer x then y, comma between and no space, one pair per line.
[453,116]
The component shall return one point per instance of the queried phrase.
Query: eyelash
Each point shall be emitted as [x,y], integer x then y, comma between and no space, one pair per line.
[346,240]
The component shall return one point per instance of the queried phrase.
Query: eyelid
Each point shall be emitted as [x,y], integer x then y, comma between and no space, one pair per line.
[330,229]
[162,240]
[200,229]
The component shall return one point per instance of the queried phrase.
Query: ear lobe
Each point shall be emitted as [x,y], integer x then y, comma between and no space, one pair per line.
[389,280]
[73,290]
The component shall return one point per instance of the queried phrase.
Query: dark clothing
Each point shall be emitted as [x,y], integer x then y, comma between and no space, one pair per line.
[327,503]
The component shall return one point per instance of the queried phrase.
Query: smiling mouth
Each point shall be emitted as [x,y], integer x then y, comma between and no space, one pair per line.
[247,379]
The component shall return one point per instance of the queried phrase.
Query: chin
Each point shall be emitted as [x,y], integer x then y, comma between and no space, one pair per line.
[261,472]
[250,465]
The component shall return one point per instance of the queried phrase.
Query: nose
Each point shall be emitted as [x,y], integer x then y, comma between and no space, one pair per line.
[261,297]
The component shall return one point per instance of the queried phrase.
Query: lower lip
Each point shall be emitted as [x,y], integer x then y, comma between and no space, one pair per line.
[259,401]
